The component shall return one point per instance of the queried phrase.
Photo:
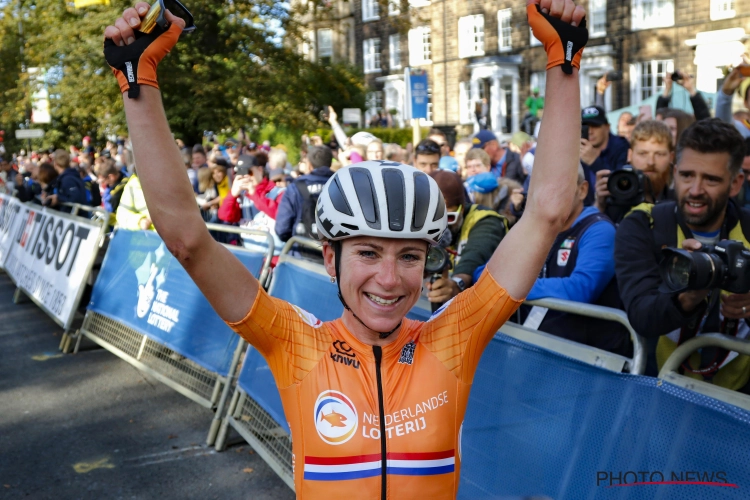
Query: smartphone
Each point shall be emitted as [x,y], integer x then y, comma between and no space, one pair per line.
[614,76]
[324,115]
[242,170]
[676,76]
[155,16]
[744,70]
[585,132]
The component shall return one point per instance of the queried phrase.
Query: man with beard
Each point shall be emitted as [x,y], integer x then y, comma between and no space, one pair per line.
[652,153]
[707,174]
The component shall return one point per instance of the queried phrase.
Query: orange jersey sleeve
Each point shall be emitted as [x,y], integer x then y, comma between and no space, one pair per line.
[290,339]
[458,334]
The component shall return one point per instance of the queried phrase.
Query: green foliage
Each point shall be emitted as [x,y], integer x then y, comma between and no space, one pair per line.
[400,136]
[281,135]
[232,72]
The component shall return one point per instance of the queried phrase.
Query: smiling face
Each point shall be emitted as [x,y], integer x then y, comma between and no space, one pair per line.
[703,184]
[381,280]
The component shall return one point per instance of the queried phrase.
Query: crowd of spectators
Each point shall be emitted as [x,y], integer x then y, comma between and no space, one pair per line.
[688,176]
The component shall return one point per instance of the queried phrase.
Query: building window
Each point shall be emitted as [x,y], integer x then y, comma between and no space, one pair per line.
[471,36]
[325,45]
[419,3]
[394,52]
[652,14]
[647,78]
[533,41]
[722,9]
[374,101]
[504,30]
[420,46]
[598,15]
[539,81]
[429,106]
[370,10]
[371,51]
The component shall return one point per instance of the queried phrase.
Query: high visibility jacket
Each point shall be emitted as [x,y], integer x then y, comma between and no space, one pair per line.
[132,206]
[372,422]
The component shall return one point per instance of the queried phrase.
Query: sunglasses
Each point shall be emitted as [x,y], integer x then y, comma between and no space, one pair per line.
[428,149]
[156,17]
[453,216]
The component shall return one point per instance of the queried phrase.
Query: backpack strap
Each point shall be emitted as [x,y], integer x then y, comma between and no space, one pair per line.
[303,191]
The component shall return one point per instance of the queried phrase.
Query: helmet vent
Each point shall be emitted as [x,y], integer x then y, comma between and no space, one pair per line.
[338,199]
[421,200]
[393,181]
[368,200]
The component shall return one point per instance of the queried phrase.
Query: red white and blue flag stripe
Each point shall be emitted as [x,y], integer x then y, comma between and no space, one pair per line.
[361,466]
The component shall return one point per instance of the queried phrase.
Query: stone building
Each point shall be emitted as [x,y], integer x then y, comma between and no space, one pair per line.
[482,53]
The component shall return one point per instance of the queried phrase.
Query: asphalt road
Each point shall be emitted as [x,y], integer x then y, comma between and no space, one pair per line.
[91,426]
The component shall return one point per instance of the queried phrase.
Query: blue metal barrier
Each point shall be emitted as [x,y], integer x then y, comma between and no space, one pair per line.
[541,424]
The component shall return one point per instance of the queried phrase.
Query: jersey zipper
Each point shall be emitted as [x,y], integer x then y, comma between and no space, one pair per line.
[378,352]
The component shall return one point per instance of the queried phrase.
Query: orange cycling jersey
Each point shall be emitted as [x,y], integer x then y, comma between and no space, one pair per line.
[372,422]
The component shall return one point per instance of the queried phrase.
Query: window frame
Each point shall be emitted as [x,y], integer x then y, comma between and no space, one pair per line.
[370,10]
[717,15]
[394,56]
[661,17]
[504,15]
[371,54]
[471,36]
[425,46]
[637,88]
[602,10]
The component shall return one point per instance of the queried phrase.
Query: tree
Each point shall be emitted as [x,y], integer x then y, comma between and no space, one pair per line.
[234,71]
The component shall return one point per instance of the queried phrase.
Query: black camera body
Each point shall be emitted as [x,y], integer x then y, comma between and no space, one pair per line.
[725,266]
[627,187]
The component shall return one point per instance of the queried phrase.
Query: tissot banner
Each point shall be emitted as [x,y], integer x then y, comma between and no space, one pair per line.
[50,256]
[10,209]
[142,286]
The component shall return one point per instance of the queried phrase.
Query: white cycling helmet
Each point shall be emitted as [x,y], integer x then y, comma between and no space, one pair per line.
[381,198]
[363,138]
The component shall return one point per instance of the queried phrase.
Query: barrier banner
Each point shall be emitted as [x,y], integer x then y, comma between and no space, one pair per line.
[539,424]
[10,209]
[50,257]
[141,285]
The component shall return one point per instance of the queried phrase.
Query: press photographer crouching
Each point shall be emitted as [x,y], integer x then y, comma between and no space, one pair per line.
[647,177]
[704,292]
[475,233]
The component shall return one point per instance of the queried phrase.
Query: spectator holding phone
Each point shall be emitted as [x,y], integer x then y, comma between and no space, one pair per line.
[700,108]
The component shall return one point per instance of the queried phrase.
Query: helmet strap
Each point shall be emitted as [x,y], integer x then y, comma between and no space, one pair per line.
[336,245]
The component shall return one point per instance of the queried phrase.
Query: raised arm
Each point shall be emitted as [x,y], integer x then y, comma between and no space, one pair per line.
[516,263]
[226,283]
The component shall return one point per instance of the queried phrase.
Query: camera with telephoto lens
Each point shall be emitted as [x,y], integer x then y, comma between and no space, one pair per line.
[437,261]
[627,187]
[725,265]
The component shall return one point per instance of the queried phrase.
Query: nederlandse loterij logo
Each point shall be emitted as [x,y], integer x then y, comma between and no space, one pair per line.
[307,317]
[335,417]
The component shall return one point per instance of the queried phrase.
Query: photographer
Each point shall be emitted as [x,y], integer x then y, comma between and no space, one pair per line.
[707,174]
[476,232]
[650,155]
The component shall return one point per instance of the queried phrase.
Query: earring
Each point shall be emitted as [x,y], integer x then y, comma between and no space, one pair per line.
[333,279]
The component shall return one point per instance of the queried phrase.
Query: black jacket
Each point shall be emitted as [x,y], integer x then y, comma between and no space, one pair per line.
[511,168]
[637,256]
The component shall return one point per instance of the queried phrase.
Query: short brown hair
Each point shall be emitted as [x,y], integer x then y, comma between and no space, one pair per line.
[652,129]
[713,135]
[62,159]
[478,154]
[47,173]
